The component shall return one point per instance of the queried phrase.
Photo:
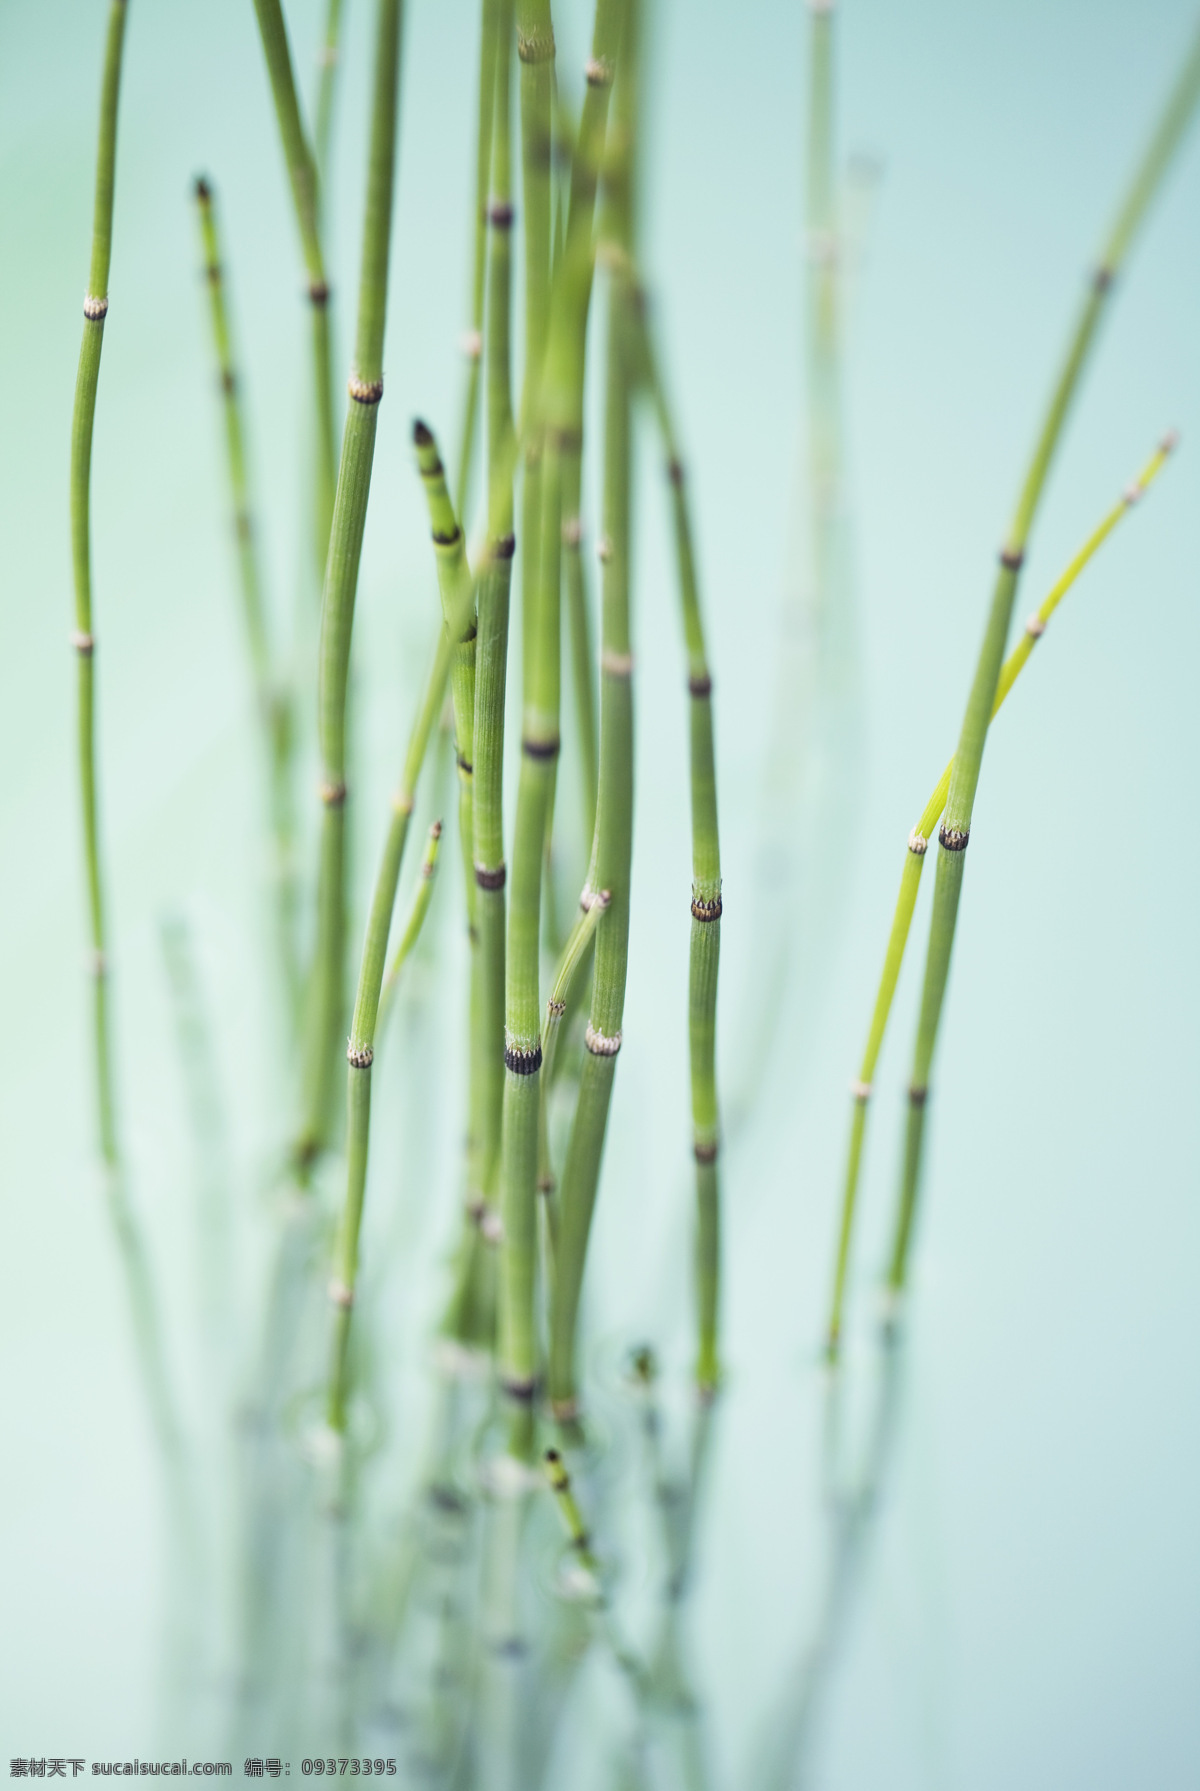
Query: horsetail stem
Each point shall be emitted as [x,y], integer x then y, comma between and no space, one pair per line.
[360,1050]
[422,897]
[558,1479]
[956,827]
[575,954]
[472,342]
[706,903]
[560,412]
[303,179]
[274,700]
[341,582]
[328,57]
[143,1300]
[487,849]
[452,571]
[914,861]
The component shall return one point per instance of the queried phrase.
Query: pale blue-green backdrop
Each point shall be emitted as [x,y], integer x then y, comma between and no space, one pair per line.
[1030,1611]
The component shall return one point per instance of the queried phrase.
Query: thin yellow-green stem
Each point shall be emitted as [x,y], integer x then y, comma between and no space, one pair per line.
[914,860]
[412,927]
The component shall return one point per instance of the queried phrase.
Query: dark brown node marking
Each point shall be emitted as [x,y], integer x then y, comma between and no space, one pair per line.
[436,471]
[84,644]
[706,1153]
[228,381]
[917,1097]
[242,526]
[365,391]
[700,686]
[333,795]
[952,838]
[95,309]
[359,1057]
[707,910]
[540,749]
[506,547]
[675,471]
[422,434]
[442,539]
[202,190]
[523,1063]
[1012,558]
[464,765]
[490,879]
[567,441]
[599,72]
[500,215]
[522,1391]
[1102,279]
[318,294]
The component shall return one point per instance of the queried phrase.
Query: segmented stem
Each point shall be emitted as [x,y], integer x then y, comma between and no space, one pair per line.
[422,896]
[560,418]
[914,862]
[273,698]
[303,180]
[964,780]
[360,1051]
[143,1302]
[489,39]
[325,997]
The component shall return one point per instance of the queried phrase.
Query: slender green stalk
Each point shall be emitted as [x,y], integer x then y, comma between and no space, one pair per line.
[560,414]
[324,1017]
[412,929]
[956,827]
[471,1317]
[706,897]
[302,176]
[613,845]
[143,1301]
[489,38]
[360,1052]
[328,57]
[910,880]
[576,954]
[273,698]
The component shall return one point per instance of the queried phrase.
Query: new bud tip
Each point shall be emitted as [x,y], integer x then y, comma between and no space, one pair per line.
[1170,441]
[202,189]
[435,832]
[422,434]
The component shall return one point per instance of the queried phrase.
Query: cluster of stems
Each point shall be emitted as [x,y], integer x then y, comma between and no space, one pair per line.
[910,879]
[959,799]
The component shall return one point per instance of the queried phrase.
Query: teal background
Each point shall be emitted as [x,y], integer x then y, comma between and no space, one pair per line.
[1030,1612]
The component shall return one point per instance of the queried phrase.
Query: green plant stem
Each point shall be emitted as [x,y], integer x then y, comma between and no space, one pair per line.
[361,1049]
[272,696]
[302,177]
[325,996]
[559,410]
[613,843]
[328,58]
[910,880]
[489,39]
[471,1317]
[705,951]
[143,1302]
[956,826]
[412,927]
